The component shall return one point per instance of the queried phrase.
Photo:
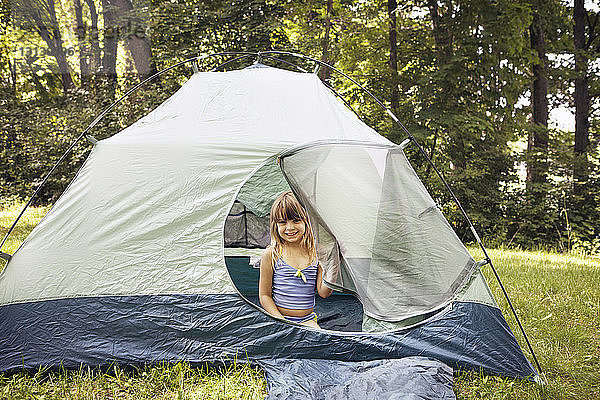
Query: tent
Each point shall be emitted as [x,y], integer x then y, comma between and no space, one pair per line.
[148,254]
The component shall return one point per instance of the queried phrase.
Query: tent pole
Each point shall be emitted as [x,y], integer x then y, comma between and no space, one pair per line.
[286,63]
[99,117]
[230,61]
[513,311]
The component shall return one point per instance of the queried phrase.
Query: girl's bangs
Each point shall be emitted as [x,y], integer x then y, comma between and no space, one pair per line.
[288,210]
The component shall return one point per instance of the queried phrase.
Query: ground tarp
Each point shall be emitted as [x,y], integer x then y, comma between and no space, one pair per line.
[405,378]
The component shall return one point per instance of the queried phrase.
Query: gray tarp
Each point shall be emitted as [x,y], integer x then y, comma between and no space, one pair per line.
[405,378]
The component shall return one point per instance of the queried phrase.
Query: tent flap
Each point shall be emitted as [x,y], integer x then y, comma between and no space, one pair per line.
[400,255]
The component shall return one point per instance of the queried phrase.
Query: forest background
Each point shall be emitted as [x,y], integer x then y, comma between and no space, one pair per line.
[474,81]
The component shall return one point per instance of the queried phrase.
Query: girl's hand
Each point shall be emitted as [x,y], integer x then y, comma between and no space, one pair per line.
[331,259]
[322,289]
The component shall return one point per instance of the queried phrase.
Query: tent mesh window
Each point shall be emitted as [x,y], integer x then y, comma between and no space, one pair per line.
[244,229]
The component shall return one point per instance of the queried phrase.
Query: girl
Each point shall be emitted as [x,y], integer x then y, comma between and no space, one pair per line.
[289,269]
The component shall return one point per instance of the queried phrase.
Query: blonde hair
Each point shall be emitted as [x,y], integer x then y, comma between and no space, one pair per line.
[287,207]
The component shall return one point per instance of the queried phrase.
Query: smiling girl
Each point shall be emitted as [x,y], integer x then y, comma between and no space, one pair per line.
[289,269]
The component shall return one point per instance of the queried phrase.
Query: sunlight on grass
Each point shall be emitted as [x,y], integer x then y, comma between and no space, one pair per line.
[25,225]
[27,222]
[473,385]
[164,381]
[557,298]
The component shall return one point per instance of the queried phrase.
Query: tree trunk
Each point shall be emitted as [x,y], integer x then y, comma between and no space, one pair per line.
[138,43]
[12,67]
[50,33]
[582,102]
[94,61]
[119,18]
[444,51]
[109,51]
[325,73]
[441,34]
[395,94]
[537,148]
[81,44]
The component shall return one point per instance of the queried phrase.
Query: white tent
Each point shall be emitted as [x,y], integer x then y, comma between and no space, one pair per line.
[132,256]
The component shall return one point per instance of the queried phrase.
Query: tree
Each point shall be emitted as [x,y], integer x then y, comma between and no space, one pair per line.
[586,47]
[183,29]
[87,41]
[40,15]
[392,7]
[471,99]
[94,59]
[581,96]
[537,145]
[110,42]
[135,23]
[324,73]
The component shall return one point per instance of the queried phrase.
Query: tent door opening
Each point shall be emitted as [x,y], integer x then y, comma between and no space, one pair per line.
[246,235]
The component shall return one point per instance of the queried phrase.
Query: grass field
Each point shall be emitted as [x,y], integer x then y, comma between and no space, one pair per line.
[556,296]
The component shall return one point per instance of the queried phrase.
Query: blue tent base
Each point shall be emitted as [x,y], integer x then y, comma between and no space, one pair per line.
[148,329]
[405,378]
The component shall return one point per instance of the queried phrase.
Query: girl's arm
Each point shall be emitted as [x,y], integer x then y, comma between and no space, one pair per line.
[322,289]
[265,284]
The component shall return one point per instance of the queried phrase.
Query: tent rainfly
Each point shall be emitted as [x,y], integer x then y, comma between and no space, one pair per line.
[147,256]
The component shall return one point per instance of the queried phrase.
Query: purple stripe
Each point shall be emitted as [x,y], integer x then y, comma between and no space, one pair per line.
[290,291]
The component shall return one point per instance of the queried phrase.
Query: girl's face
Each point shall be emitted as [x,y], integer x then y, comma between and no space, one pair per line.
[291,230]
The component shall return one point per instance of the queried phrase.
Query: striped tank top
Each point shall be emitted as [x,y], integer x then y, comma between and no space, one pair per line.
[294,288]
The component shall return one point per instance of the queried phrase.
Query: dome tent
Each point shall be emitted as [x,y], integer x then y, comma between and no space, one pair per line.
[138,260]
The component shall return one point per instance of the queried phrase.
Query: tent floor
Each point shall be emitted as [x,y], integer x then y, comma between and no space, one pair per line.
[338,312]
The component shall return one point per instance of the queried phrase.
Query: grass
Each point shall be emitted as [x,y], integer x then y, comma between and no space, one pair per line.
[27,222]
[557,298]
[165,381]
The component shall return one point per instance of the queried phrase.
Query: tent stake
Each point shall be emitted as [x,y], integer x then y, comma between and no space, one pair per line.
[91,139]
[404,143]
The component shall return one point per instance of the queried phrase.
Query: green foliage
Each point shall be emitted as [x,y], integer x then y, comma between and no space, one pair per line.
[183,29]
